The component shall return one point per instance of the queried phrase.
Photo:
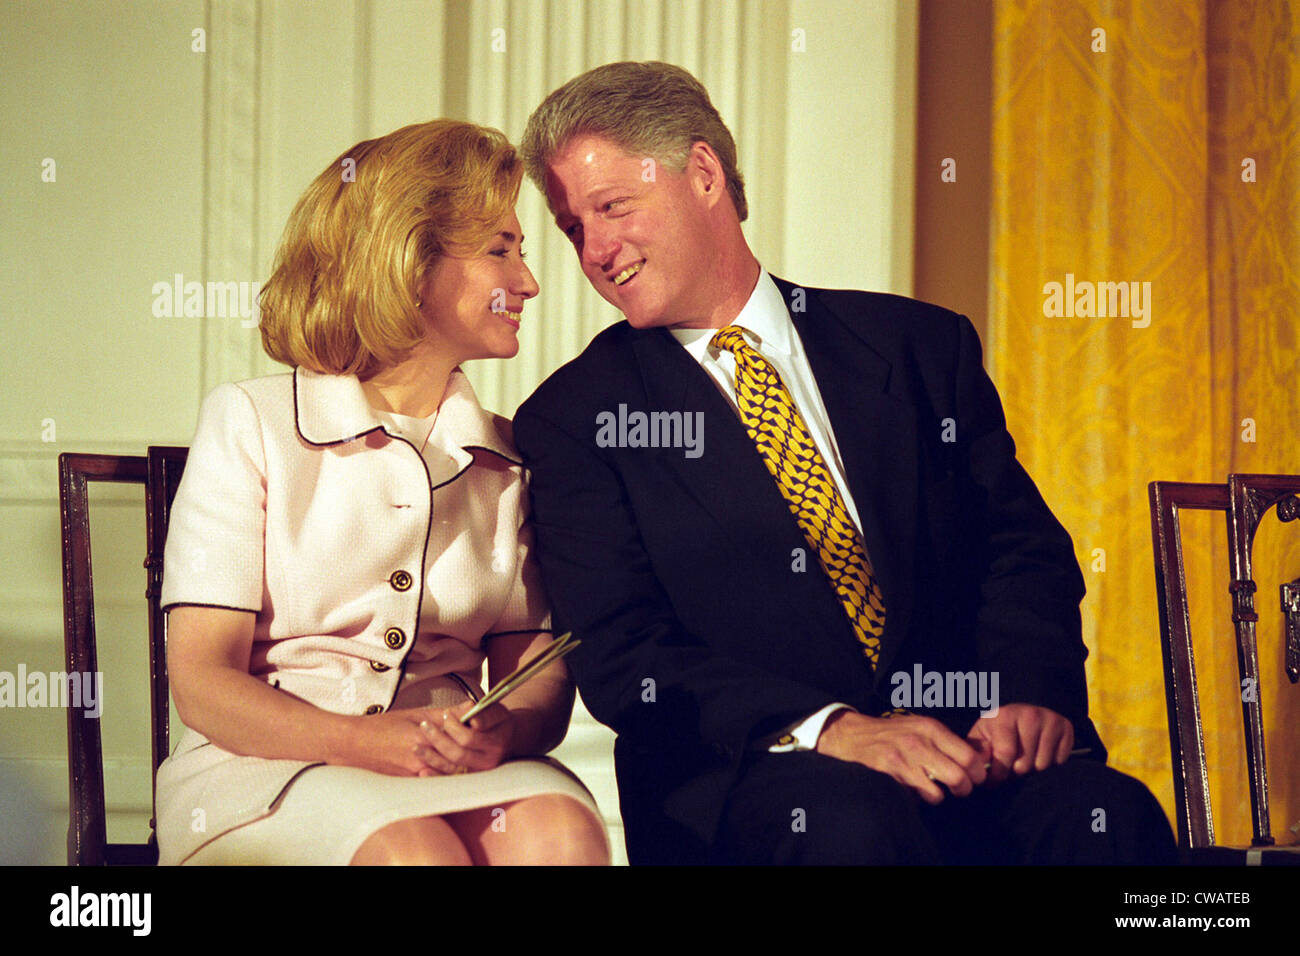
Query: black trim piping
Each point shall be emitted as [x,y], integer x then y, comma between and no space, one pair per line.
[327,444]
[497,452]
[464,685]
[223,607]
[527,630]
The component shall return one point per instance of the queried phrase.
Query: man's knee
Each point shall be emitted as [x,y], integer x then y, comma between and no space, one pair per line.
[1085,812]
[877,825]
[818,810]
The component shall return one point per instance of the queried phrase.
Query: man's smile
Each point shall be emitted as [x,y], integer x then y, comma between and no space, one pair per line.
[626,275]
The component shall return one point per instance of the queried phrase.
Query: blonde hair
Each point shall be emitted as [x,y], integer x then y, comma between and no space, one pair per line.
[343,294]
[651,109]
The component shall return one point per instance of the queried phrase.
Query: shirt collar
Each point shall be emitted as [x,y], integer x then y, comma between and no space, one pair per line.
[331,409]
[764,316]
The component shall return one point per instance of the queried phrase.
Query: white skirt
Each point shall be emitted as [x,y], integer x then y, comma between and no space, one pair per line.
[329,811]
[282,812]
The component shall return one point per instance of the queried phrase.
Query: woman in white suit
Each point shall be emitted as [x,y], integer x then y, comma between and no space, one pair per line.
[349,543]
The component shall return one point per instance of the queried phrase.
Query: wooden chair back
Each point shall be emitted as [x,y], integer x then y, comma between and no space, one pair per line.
[1244,500]
[1186,739]
[1250,498]
[159,472]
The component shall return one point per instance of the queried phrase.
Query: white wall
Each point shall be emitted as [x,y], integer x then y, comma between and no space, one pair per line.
[850,145]
[174,161]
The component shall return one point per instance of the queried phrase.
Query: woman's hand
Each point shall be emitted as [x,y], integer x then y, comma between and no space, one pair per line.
[428,741]
[393,743]
[458,748]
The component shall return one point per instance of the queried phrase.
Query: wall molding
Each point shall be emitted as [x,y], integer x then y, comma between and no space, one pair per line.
[231,180]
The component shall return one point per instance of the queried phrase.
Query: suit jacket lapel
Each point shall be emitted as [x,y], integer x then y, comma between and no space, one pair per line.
[876,436]
[729,478]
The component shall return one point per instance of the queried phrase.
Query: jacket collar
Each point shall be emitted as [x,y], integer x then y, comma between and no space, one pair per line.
[332,409]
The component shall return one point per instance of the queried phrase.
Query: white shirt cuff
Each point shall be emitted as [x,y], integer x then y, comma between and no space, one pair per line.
[802,735]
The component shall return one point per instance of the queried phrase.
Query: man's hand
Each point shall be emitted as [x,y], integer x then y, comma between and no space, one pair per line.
[918,752]
[1021,738]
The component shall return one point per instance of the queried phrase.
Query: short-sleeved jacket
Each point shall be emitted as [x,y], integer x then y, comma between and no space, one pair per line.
[297,504]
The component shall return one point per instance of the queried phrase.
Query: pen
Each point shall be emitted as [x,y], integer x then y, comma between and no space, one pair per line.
[1076,752]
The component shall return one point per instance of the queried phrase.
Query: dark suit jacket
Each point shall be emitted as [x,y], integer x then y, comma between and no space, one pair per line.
[679,574]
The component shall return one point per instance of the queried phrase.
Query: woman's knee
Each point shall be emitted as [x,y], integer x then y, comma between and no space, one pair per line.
[552,829]
[419,841]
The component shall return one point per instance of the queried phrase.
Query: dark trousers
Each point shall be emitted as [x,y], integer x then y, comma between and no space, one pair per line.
[807,808]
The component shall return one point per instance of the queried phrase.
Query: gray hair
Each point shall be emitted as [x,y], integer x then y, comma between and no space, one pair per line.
[653,109]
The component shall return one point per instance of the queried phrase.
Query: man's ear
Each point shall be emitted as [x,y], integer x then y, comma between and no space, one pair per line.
[705,170]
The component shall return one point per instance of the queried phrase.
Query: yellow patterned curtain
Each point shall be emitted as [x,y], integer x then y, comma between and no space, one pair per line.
[1155,143]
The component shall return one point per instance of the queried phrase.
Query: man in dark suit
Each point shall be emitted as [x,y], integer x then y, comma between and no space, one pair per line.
[824,608]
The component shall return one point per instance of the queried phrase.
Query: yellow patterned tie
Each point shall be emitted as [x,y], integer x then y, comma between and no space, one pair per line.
[776,427]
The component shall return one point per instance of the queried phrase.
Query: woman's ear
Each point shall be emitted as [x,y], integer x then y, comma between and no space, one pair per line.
[424,287]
